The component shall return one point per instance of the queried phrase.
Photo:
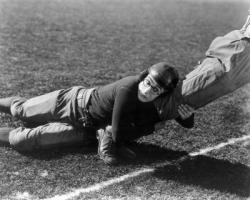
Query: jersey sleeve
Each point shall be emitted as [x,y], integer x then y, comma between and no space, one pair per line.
[124,123]
[122,115]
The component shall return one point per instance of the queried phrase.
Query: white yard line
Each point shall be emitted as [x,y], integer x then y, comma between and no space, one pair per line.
[221,145]
[104,184]
[100,186]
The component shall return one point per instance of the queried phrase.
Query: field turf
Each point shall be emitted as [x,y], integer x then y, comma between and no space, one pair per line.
[52,44]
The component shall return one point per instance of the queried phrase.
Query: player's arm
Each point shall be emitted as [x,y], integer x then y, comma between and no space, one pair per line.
[123,107]
[185,119]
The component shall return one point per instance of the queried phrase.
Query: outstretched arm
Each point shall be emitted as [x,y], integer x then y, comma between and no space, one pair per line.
[185,118]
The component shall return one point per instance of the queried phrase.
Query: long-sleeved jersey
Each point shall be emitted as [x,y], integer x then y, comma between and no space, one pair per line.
[117,104]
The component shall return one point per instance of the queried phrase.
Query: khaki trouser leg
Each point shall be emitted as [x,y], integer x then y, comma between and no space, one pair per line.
[47,136]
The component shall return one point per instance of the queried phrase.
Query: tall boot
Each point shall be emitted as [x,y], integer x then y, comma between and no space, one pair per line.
[106,147]
[5,104]
[4,135]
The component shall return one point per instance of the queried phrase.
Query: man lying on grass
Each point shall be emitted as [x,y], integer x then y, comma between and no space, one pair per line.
[130,107]
[72,116]
[225,69]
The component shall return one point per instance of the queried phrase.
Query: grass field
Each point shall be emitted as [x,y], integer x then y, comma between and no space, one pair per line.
[50,44]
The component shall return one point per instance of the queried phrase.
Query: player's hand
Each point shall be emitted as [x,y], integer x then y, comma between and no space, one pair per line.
[108,128]
[185,111]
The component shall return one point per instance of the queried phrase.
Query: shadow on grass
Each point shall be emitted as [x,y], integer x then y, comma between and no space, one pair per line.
[150,154]
[233,113]
[202,171]
[145,153]
[209,173]
[52,153]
